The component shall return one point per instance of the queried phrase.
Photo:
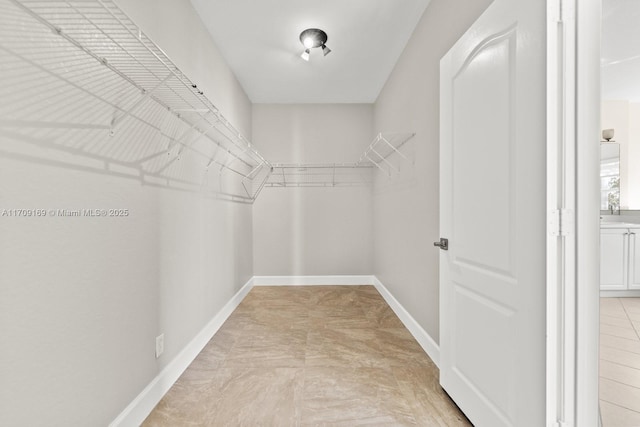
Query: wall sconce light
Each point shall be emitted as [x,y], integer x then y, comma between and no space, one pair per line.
[312,38]
[607,134]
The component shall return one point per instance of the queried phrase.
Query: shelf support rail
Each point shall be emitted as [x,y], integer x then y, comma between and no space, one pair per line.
[368,149]
[392,147]
[384,159]
[254,195]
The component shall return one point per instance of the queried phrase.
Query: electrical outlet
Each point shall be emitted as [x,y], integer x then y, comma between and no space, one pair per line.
[159,345]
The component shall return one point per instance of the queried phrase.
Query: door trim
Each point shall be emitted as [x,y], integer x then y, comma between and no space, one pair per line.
[561,325]
[588,23]
[573,99]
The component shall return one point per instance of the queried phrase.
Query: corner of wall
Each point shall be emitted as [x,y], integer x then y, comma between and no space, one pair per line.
[136,412]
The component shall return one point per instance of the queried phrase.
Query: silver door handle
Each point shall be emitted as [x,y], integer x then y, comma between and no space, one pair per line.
[442,244]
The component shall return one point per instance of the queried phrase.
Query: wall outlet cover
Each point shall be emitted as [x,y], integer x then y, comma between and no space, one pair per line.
[159,345]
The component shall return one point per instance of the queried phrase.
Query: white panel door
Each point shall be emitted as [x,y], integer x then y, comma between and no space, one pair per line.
[493,211]
[633,271]
[613,258]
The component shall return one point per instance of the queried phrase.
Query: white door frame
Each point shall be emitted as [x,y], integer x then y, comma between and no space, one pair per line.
[573,71]
[589,20]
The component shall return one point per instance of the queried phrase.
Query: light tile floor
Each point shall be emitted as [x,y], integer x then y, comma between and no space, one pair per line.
[620,362]
[313,355]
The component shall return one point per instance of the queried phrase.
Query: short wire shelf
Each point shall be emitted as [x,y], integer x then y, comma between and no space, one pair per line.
[384,153]
[320,175]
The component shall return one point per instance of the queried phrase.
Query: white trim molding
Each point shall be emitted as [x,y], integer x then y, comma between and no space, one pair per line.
[427,343]
[312,280]
[588,17]
[634,293]
[136,412]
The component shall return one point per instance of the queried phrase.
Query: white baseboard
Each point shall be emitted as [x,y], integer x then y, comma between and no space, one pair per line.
[311,280]
[143,404]
[136,412]
[424,339]
[634,293]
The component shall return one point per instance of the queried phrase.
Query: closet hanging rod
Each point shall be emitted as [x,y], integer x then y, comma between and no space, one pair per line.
[320,165]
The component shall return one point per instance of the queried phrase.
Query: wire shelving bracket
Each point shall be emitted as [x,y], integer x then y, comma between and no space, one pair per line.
[385,152]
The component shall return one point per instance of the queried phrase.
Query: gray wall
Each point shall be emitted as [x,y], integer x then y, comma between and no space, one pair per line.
[406,212]
[82,299]
[312,231]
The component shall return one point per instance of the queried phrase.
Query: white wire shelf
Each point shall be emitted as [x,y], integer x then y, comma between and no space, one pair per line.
[320,175]
[79,76]
[385,151]
[81,80]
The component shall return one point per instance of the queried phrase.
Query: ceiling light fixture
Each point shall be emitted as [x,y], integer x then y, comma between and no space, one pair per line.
[312,38]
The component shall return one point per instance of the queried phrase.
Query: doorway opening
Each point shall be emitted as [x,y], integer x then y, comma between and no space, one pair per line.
[619,174]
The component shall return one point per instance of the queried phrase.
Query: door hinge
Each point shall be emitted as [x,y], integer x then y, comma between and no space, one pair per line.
[561,222]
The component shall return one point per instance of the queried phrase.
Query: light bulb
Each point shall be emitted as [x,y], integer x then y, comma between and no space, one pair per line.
[308,42]
[305,55]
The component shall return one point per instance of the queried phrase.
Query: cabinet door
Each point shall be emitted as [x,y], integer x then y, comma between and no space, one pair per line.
[634,258]
[613,258]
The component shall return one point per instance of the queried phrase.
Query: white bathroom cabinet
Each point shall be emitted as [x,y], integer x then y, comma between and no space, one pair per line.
[620,258]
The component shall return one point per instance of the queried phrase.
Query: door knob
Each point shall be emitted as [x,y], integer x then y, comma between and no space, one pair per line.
[442,244]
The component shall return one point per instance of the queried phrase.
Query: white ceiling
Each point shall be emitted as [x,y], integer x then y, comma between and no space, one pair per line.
[259,40]
[621,50]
